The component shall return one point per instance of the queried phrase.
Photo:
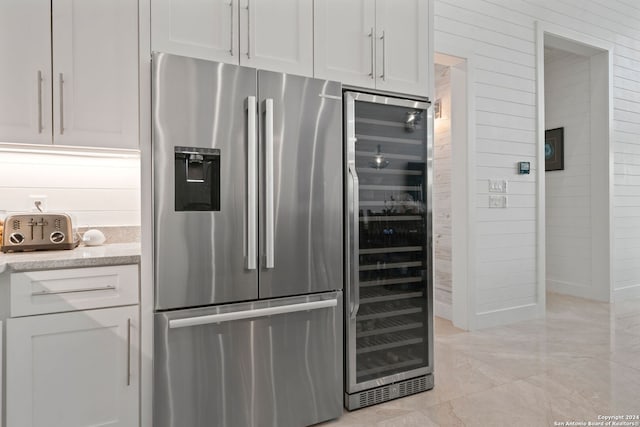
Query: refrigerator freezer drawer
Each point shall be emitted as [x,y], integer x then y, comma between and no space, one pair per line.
[267,363]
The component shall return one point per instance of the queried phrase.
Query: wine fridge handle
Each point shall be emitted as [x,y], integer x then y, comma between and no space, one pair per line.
[355,266]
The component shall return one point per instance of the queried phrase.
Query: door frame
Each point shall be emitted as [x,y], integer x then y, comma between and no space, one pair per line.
[605,214]
[463,184]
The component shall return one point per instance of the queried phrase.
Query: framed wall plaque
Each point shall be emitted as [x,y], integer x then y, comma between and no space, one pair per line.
[554,149]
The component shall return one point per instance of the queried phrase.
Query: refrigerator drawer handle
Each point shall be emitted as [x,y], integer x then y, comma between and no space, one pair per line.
[269,215]
[250,314]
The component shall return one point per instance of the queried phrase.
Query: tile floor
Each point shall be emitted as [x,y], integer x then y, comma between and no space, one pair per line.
[582,361]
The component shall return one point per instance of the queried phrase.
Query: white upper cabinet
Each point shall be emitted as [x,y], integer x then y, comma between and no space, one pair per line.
[95,73]
[274,35]
[345,41]
[381,44]
[402,35]
[25,71]
[206,29]
[277,35]
[90,96]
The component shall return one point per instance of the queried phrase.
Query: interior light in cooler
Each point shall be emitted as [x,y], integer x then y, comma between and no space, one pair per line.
[412,120]
[379,162]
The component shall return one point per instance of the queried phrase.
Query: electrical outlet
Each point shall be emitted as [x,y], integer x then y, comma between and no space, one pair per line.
[497,201]
[497,185]
[38,202]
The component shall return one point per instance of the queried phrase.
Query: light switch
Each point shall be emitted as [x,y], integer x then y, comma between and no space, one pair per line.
[497,201]
[497,185]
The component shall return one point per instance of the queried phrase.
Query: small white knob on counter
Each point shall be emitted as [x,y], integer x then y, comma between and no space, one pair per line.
[93,237]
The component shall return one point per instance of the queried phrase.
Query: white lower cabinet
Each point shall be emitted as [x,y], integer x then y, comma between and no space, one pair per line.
[73,369]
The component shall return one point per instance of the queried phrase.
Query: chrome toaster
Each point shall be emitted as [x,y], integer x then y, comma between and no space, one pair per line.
[38,231]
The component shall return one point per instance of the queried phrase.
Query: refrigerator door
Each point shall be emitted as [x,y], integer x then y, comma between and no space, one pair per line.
[301,187]
[205,182]
[389,256]
[267,363]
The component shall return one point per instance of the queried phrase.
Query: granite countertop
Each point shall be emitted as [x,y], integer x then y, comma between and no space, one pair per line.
[82,256]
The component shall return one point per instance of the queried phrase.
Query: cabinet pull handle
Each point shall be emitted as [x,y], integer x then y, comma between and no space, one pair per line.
[384,54]
[248,30]
[371,36]
[231,28]
[128,352]
[61,81]
[70,291]
[40,126]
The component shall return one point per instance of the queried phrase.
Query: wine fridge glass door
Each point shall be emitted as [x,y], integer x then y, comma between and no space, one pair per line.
[390,324]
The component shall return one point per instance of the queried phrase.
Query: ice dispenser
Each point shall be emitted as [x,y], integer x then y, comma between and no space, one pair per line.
[197,179]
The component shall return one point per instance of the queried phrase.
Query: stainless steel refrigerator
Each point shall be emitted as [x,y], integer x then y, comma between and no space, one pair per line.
[389,259]
[248,246]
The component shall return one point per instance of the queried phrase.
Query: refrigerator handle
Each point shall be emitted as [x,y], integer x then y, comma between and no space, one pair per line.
[251,313]
[355,266]
[252,168]
[269,214]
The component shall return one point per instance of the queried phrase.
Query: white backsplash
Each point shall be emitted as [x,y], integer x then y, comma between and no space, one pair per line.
[95,190]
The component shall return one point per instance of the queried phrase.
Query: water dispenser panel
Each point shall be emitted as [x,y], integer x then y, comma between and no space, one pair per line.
[197,179]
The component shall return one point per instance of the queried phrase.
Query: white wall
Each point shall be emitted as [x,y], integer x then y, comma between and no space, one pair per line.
[95,190]
[442,194]
[500,36]
[568,192]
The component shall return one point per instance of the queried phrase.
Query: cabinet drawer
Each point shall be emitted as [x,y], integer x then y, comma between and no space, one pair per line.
[53,291]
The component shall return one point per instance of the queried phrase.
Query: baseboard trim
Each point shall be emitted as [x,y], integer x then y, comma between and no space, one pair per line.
[577,290]
[626,293]
[444,310]
[505,316]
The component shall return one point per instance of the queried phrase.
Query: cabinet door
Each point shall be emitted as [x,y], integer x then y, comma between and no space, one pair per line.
[73,369]
[277,35]
[344,43]
[206,29]
[25,74]
[95,73]
[402,46]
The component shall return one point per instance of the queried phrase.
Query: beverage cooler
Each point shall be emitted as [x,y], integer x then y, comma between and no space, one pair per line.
[389,258]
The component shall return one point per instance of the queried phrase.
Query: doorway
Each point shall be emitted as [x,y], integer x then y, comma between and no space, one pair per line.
[575,172]
[451,196]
